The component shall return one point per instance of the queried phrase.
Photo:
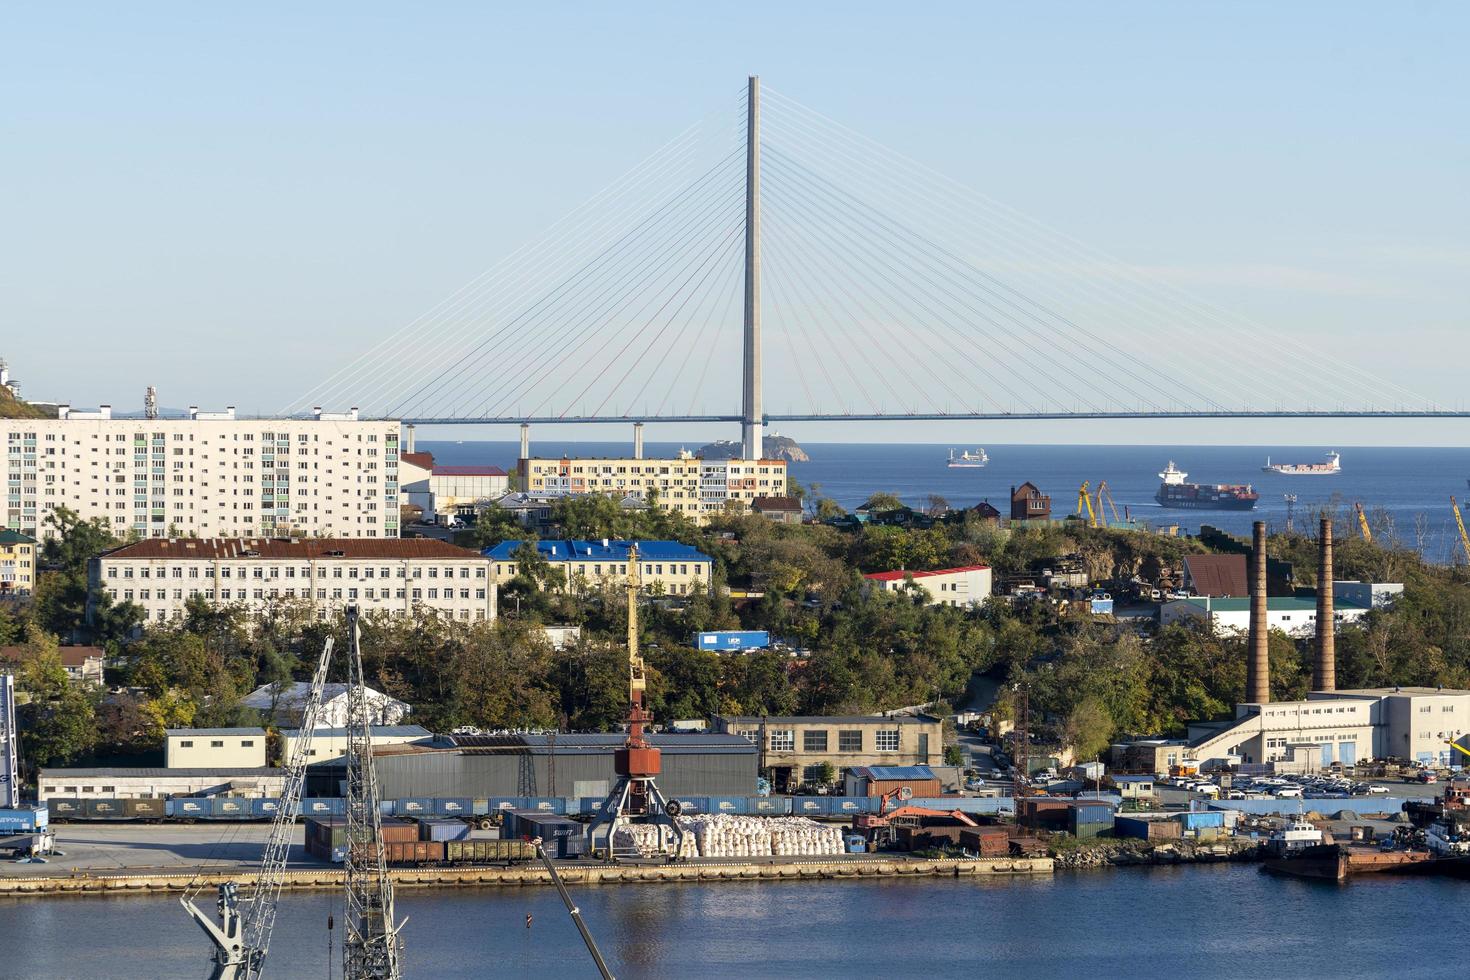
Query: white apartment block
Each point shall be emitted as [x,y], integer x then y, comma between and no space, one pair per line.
[210,474]
[394,577]
[685,484]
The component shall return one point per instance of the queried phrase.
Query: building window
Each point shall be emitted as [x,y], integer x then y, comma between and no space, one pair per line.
[186,743]
[850,741]
[814,741]
[783,740]
[247,743]
[886,739]
[750,735]
[217,744]
[811,774]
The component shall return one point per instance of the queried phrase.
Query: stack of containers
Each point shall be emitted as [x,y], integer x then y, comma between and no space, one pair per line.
[443,830]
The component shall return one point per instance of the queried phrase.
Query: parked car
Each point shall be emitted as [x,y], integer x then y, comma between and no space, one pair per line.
[1376,790]
[1288,792]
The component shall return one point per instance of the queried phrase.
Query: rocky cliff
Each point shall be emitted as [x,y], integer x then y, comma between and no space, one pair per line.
[776,447]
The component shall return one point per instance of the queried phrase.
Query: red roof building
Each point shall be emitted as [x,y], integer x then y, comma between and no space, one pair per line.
[967,585]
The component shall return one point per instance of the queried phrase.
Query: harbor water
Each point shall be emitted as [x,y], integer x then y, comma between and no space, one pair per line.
[1202,922]
[1405,491]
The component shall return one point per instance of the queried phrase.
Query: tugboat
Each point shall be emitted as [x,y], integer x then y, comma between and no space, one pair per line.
[968,460]
[1174,492]
[1333,465]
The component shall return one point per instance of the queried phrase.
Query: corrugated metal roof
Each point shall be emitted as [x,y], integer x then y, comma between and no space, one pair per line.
[1273,604]
[894,772]
[468,471]
[185,732]
[1134,779]
[1217,575]
[828,719]
[388,731]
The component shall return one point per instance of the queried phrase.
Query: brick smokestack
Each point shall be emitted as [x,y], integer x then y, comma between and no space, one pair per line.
[1258,657]
[1324,671]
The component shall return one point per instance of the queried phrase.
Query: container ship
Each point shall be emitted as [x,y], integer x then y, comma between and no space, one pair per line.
[1174,492]
[967,459]
[1333,465]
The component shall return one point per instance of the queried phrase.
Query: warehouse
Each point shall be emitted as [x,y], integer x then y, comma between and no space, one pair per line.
[575,766]
[256,782]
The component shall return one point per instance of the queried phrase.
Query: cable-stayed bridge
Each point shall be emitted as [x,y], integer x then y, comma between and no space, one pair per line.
[849,282]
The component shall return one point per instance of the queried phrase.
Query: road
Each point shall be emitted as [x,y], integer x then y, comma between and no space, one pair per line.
[99,848]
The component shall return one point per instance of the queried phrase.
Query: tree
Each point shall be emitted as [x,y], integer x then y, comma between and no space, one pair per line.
[57,721]
[61,592]
[883,500]
[495,524]
[1088,729]
[935,505]
[826,774]
[954,755]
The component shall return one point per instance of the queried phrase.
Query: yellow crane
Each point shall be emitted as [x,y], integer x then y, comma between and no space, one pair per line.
[1460,523]
[1363,523]
[1084,502]
[1105,496]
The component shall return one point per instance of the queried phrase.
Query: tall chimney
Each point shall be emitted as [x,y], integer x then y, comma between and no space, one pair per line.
[1324,672]
[1258,663]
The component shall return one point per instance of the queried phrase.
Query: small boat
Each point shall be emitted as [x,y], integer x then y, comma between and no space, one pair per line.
[1333,465]
[968,460]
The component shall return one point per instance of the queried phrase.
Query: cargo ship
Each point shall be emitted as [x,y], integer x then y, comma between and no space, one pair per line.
[967,459]
[1333,465]
[1174,492]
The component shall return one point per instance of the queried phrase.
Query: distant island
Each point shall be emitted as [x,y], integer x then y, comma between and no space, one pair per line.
[776,447]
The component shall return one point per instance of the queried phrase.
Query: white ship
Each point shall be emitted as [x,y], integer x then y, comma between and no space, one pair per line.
[967,459]
[1305,469]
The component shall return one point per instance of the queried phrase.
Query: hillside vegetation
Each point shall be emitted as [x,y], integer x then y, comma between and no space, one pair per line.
[13,408]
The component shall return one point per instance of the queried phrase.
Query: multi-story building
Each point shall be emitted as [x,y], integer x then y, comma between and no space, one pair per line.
[393,576]
[685,484]
[208,474]
[965,586]
[664,566]
[794,749]
[17,562]
[452,490]
[1292,616]
[214,748]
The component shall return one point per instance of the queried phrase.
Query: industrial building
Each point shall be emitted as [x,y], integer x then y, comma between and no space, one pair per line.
[214,748]
[330,744]
[396,577]
[122,783]
[437,489]
[575,766]
[664,566]
[966,586]
[794,749]
[207,474]
[1292,616]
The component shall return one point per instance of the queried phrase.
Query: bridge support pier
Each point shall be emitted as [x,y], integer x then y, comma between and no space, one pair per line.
[752,413]
[637,440]
[525,440]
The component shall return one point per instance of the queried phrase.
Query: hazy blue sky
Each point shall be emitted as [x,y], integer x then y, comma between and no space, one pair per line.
[230,200]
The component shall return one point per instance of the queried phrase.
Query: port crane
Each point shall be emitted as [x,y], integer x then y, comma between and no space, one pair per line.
[1460,523]
[637,763]
[1105,496]
[1084,503]
[1363,527]
[242,936]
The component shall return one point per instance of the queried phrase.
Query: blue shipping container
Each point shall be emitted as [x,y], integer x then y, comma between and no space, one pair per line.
[768,806]
[590,806]
[728,804]
[228,808]
[323,806]
[809,806]
[545,804]
[453,806]
[23,820]
[442,830]
[414,806]
[841,806]
[1130,827]
[691,805]
[191,808]
[1194,821]
[505,803]
[737,640]
[480,807]
[264,809]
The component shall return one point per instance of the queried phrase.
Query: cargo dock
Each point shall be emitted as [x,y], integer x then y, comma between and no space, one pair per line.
[832,868]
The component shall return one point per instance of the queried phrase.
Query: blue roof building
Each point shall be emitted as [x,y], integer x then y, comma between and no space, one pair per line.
[667,566]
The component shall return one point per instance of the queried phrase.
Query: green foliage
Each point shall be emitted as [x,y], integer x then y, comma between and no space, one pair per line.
[60,598]
[954,755]
[57,719]
[494,524]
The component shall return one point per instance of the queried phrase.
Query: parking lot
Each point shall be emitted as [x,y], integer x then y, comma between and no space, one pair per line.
[99,848]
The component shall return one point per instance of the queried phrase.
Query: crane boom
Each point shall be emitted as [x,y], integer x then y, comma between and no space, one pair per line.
[1084,502]
[1460,523]
[244,933]
[1104,495]
[1363,527]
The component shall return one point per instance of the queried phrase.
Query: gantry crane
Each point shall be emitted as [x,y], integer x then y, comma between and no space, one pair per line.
[1105,496]
[1460,523]
[1084,503]
[1363,527]
[243,934]
[637,763]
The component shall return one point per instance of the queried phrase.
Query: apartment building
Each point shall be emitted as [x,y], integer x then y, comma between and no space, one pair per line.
[17,562]
[684,484]
[396,576]
[210,474]
[664,566]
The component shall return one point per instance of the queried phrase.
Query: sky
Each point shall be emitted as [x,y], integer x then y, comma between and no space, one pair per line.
[232,201]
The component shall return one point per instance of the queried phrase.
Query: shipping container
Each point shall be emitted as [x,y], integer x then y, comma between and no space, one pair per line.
[809,806]
[545,804]
[229,808]
[400,831]
[188,808]
[443,830]
[327,830]
[323,806]
[691,806]
[1101,813]
[1140,829]
[454,806]
[480,807]
[62,809]
[728,804]
[505,803]
[562,838]
[986,841]
[841,806]
[105,810]
[24,819]
[414,806]
[768,806]
[414,852]
[1194,821]
[733,640]
[264,809]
